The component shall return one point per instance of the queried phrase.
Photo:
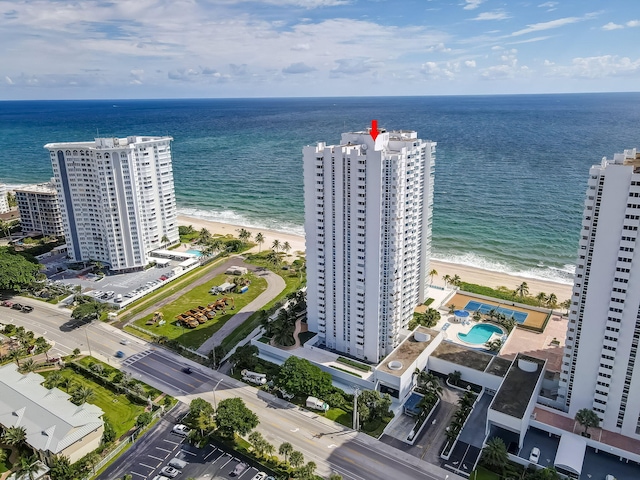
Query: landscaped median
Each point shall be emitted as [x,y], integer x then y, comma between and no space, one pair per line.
[171,329]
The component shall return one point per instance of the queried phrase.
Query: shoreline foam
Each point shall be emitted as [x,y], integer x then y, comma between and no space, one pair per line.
[467,273]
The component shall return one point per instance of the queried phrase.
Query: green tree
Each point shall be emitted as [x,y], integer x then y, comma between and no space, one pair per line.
[552,301]
[337,476]
[28,366]
[233,417]
[88,311]
[28,467]
[566,305]
[164,240]
[286,247]
[60,468]
[296,459]
[587,418]
[258,442]
[244,235]
[259,238]
[455,377]
[67,383]
[299,377]
[285,450]
[245,356]
[109,434]
[199,411]
[14,435]
[372,405]
[494,454]
[432,273]
[53,380]
[447,279]
[541,298]
[522,290]
[455,280]
[204,236]
[82,394]
[276,245]
[16,272]
[144,419]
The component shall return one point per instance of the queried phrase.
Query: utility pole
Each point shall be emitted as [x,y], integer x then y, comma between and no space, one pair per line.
[215,403]
[356,420]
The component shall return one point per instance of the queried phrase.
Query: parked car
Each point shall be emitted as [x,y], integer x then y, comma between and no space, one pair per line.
[119,354]
[17,306]
[7,303]
[170,472]
[610,477]
[124,341]
[27,309]
[160,477]
[240,468]
[535,455]
[181,430]
[259,476]
[177,463]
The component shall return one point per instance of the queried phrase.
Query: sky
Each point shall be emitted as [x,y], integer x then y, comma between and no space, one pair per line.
[81,49]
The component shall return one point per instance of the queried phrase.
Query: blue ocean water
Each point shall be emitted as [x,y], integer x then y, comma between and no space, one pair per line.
[511,171]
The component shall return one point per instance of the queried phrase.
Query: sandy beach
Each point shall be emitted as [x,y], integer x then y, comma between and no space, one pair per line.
[466,273]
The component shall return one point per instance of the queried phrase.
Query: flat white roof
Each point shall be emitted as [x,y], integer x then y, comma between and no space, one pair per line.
[570,454]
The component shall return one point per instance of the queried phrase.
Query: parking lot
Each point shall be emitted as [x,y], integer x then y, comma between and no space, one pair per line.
[151,454]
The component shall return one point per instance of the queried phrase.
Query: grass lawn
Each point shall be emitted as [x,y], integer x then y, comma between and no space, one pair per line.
[5,465]
[200,296]
[118,410]
[340,416]
[482,473]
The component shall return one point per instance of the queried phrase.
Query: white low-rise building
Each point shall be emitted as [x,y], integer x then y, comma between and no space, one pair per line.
[53,425]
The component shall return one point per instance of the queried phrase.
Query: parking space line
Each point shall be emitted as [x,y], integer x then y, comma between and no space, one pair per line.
[169,441]
[147,466]
[211,453]
[230,458]
[155,458]
[190,453]
[164,449]
[139,474]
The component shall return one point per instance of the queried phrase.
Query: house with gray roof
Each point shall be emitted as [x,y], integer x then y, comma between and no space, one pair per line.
[54,425]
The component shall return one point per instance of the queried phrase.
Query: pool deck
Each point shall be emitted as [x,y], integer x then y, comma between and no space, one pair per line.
[452,330]
[534,319]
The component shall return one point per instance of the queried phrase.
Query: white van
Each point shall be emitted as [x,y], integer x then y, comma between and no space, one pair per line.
[178,463]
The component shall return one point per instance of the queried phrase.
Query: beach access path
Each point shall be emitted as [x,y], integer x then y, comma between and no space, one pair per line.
[275,285]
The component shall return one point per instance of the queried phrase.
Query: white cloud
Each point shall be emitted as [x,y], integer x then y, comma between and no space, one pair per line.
[136,76]
[507,68]
[440,47]
[633,23]
[560,22]
[301,47]
[531,40]
[353,66]
[550,6]
[612,26]
[470,63]
[596,67]
[497,15]
[440,71]
[472,4]
[8,80]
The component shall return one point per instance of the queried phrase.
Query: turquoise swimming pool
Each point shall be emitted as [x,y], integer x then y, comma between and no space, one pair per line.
[480,334]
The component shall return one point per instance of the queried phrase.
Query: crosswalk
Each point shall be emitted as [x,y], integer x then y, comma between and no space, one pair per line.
[134,358]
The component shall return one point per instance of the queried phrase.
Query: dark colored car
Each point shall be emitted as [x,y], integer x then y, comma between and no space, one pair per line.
[119,354]
[17,306]
[27,309]
[187,370]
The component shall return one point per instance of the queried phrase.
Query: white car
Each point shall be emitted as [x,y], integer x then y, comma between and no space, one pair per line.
[610,477]
[170,472]
[535,455]
[160,477]
[181,430]
[259,476]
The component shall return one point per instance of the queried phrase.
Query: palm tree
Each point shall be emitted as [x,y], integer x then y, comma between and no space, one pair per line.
[244,235]
[82,395]
[268,448]
[522,290]
[273,258]
[335,476]
[447,279]
[296,459]
[28,366]
[432,273]
[67,383]
[164,240]
[204,236]
[552,302]
[53,380]
[14,435]
[6,228]
[494,454]
[286,247]
[285,450]
[28,467]
[587,418]
[455,280]
[477,316]
[455,377]
[566,305]
[542,298]
[259,238]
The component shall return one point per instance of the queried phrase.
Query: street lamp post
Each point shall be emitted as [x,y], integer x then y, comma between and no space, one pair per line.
[215,403]
[87,336]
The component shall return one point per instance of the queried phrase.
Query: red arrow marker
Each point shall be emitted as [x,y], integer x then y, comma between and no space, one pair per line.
[374,129]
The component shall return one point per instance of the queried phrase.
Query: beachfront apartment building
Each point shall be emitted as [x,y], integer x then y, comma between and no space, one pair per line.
[604,319]
[117,198]
[368,217]
[4,202]
[39,210]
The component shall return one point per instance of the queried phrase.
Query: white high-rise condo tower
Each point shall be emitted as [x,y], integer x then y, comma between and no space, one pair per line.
[368,216]
[117,198]
[604,319]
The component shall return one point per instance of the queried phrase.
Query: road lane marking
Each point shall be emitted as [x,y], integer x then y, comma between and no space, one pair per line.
[333,445]
[295,430]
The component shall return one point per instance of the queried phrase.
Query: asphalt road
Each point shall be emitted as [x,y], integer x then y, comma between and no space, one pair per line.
[332,447]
